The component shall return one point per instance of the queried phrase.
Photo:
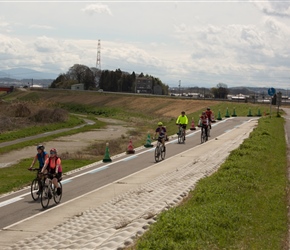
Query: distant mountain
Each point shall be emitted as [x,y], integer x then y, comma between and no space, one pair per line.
[255,90]
[24,73]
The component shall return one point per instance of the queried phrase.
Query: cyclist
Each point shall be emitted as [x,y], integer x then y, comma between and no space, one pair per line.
[209,116]
[53,166]
[161,130]
[182,121]
[203,121]
[41,157]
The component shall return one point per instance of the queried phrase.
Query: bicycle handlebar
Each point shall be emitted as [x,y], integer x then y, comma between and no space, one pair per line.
[33,169]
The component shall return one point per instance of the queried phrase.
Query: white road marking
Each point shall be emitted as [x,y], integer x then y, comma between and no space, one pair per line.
[7,202]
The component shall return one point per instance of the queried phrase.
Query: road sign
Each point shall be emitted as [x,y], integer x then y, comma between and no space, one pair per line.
[271,91]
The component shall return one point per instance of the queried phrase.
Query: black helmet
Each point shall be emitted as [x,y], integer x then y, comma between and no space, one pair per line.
[41,147]
[208,108]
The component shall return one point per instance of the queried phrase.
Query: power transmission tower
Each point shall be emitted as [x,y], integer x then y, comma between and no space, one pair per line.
[98,64]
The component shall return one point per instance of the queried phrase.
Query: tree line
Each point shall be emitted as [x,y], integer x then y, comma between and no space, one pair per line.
[107,80]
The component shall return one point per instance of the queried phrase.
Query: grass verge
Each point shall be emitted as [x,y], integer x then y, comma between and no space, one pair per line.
[16,177]
[241,206]
[40,140]
[34,130]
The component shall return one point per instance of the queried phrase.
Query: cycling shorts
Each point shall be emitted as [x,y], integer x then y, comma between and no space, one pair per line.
[57,176]
[160,137]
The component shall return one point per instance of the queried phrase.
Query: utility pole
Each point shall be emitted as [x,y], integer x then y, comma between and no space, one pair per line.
[98,63]
[179,87]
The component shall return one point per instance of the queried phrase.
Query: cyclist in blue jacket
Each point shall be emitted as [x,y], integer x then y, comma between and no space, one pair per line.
[41,157]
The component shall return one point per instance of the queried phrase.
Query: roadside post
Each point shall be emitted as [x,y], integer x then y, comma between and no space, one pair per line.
[279,101]
[271,92]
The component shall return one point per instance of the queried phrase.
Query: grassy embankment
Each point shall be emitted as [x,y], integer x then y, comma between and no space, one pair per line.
[241,206]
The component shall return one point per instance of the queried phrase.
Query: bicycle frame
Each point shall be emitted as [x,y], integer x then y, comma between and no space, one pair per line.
[204,135]
[49,192]
[159,153]
[36,184]
[181,134]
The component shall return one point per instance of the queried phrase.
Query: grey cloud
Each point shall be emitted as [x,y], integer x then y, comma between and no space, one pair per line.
[45,44]
[271,8]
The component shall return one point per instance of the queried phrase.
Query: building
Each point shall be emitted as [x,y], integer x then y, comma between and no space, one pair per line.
[143,85]
[157,90]
[79,86]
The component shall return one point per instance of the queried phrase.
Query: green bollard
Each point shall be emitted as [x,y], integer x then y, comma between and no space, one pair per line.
[250,112]
[259,113]
[219,116]
[234,113]
[148,142]
[107,154]
[227,113]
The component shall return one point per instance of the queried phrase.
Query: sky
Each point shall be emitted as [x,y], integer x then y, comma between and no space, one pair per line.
[186,43]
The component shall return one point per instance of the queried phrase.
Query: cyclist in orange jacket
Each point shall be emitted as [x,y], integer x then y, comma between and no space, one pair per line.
[53,166]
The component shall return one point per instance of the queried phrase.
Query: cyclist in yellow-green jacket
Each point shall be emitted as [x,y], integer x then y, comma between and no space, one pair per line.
[182,121]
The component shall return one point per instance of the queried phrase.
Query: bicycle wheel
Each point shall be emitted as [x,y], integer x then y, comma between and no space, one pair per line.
[35,192]
[181,136]
[57,197]
[208,132]
[45,196]
[157,153]
[162,154]
[202,137]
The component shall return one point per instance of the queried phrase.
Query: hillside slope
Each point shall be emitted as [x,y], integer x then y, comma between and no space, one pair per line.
[155,105]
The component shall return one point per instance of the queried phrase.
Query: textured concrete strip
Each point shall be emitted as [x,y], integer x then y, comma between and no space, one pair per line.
[113,216]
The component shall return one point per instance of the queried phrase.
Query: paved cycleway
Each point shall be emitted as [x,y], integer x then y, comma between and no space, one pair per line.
[112,216]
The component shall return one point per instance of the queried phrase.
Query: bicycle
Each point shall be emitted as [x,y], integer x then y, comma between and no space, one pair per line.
[49,191]
[36,184]
[181,134]
[204,135]
[208,130]
[159,152]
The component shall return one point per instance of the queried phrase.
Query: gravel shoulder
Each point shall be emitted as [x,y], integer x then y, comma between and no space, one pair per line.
[71,144]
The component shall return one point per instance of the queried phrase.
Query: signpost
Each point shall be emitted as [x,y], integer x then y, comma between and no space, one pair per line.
[271,92]
[279,101]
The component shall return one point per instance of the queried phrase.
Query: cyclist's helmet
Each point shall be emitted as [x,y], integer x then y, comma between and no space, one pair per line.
[208,108]
[53,151]
[203,112]
[183,112]
[159,123]
[41,147]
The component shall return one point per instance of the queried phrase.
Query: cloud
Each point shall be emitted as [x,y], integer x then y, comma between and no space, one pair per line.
[42,27]
[4,26]
[279,9]
[47,45]
[97,8]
